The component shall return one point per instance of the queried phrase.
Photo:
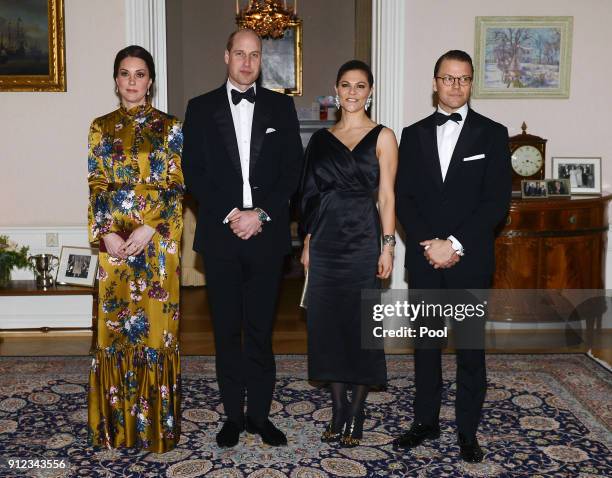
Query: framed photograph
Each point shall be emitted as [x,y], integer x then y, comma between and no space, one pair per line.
[77,266]
[534,189]
[583,174]
[558,188]
[32,52]
[281,66]
[522,57]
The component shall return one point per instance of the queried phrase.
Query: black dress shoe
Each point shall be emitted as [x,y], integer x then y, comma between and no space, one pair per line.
[267,431]
[417,434]
[229,434]
[470,450]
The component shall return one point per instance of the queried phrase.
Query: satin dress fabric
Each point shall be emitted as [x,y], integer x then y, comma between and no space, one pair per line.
[135,178]
[338,206]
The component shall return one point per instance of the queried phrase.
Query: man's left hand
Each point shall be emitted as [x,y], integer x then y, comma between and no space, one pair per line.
[440,253]
[245,224]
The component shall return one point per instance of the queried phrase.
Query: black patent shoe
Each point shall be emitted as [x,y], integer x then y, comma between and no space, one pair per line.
[469,450]
[353,432]
[417,434]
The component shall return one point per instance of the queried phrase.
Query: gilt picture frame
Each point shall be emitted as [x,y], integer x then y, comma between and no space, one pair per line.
[32,45]
[522,57]
[281,65]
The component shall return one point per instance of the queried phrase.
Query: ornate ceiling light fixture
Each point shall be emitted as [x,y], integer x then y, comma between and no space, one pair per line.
[268,18]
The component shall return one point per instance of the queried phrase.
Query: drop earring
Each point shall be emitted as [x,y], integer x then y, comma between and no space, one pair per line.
[116,90]
[337,102]
[368,102]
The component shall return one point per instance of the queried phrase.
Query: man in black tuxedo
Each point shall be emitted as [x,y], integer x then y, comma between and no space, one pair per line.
[453,188]
[242,159]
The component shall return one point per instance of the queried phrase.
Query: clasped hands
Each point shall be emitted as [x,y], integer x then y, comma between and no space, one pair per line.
[440,253]
[245,224]
[132,246]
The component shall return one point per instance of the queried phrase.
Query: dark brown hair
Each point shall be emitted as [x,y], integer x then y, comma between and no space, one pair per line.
[356,65]
[135,51]
[458,55]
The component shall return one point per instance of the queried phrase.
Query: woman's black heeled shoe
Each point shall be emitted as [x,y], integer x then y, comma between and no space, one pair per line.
[333,430]
[353,432]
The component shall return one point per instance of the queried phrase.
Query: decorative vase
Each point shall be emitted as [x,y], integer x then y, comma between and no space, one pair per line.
[5,277]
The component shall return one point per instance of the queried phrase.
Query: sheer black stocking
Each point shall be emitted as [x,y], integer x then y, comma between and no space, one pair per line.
[358,398]
[340,405]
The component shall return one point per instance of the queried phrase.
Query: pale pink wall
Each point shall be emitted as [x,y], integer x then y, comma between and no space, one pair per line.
[43,157]
[575,126]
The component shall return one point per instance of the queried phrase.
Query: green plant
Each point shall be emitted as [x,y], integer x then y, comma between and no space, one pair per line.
[11,255]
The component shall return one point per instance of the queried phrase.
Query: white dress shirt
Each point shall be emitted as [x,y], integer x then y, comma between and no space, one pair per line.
[242,115]
[447,136]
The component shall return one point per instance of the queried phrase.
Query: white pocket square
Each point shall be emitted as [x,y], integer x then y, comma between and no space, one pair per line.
[472,158]
[270,130]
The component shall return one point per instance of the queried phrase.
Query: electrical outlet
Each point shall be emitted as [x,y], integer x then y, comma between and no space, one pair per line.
[52,239]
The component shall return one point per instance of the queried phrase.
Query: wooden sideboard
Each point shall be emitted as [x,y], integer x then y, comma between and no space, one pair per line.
[25,307]
[553,244]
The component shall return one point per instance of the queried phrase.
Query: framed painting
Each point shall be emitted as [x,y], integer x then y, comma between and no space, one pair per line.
[32,55]
[522,57]
[281,65]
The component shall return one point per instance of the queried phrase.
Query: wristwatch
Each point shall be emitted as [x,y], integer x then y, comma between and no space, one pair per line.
[261,215]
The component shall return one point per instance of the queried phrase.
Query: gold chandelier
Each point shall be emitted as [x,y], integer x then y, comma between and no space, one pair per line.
[268,18]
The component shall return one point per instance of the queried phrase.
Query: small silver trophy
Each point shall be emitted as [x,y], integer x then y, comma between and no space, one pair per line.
[43,265]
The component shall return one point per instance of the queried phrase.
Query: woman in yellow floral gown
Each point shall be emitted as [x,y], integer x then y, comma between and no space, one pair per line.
[135,215]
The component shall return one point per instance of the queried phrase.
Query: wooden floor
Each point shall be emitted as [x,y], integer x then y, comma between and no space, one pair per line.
[289,333]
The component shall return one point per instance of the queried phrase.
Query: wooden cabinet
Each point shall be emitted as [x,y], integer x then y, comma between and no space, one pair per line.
[24,307]
[553,244]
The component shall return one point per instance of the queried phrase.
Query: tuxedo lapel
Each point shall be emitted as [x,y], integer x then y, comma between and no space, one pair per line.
[225,123]
[429,146]
[261,120]
[469,134]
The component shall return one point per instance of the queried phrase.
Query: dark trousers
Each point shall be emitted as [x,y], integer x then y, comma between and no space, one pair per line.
[471,378]
[243,292]
[471,388]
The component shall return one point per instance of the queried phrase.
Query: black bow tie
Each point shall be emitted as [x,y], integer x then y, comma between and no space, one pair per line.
[441,118]
[238,96]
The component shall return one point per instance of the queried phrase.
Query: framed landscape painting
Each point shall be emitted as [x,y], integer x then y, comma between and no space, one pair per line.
[523,57]
[32,45]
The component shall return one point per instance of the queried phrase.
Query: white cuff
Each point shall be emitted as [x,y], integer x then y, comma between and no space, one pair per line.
[456,245]
[226,220]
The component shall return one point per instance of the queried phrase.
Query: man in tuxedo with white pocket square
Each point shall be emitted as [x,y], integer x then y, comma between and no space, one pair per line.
[453,188]
[242,159]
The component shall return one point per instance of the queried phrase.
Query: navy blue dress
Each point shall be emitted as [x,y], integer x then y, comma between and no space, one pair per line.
[338,206]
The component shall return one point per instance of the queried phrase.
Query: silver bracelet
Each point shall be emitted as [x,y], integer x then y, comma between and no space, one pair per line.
[389,240]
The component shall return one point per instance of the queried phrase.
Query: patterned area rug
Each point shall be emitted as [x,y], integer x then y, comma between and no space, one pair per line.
[544,416]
